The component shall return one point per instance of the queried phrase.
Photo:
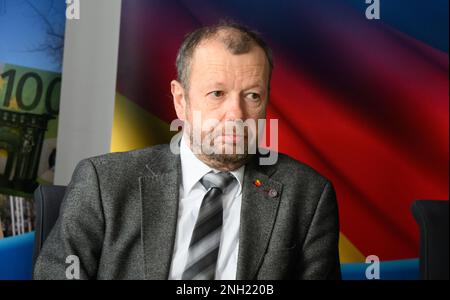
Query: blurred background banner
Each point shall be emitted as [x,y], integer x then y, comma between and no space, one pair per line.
[31,51]
[365,102]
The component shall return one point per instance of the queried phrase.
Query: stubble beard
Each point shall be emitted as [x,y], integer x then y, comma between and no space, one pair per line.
[215,156]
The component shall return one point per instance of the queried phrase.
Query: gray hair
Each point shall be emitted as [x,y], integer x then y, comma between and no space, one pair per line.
[237,38]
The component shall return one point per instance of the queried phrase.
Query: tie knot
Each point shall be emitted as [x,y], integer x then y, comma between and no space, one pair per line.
[217,180]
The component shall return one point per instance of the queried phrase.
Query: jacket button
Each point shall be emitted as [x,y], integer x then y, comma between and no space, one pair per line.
[273,193]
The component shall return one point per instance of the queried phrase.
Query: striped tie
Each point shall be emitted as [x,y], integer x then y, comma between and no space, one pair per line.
[205,241]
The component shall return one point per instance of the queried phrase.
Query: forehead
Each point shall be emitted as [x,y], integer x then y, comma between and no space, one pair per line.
[212,58]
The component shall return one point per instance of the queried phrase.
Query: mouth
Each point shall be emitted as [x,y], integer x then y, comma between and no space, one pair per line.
[232,138]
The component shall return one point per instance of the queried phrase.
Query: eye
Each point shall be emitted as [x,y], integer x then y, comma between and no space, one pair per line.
[217,94]
[253,96]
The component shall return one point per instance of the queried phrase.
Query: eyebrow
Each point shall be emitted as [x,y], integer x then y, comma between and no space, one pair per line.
[211,84]
[256,85]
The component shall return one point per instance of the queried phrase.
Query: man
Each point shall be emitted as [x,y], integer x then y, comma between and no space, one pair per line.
[204,213]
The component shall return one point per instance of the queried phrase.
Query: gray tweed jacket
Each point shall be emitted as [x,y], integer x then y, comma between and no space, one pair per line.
[119,217]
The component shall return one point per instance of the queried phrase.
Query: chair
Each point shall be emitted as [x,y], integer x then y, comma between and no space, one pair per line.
[48,200]
[432,218]
[402,269]
[16,254]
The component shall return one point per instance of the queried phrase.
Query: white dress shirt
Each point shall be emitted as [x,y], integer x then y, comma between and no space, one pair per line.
[191,196]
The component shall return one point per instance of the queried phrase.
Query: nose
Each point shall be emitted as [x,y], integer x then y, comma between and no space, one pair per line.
[234,109]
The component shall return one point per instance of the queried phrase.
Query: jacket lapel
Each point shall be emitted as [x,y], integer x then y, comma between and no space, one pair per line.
[159,197]
[258,214]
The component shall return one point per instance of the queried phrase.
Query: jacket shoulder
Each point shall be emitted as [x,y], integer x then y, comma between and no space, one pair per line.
[128,160]
[299,171]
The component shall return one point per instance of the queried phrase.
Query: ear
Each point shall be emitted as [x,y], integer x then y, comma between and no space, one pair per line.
[179,101]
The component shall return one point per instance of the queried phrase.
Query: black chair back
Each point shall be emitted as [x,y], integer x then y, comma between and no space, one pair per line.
[47,200]
[432,218]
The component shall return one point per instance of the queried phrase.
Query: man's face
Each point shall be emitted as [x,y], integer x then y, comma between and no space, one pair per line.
[224,89]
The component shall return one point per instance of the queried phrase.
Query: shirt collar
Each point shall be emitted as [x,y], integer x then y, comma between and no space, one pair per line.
[193,169]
